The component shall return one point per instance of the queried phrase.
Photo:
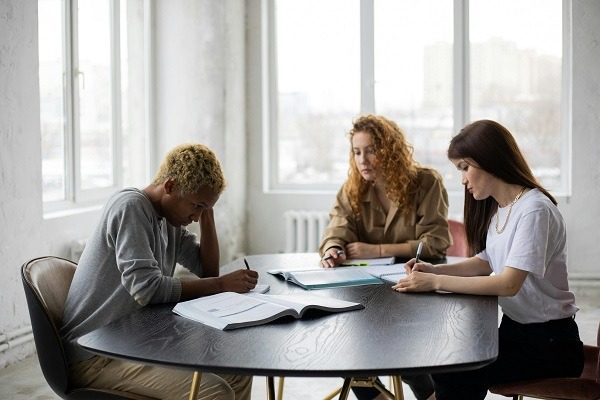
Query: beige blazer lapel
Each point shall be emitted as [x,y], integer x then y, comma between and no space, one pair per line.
[390,216]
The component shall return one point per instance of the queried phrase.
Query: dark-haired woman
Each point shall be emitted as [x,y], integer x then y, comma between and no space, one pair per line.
[517,233]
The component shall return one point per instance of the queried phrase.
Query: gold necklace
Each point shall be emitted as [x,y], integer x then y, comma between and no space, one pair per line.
[510,206]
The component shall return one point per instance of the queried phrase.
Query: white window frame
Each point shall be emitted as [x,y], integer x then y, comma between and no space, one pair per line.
[461,101]
[76,197]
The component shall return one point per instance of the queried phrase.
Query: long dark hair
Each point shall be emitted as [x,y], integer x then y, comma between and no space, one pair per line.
[495,150]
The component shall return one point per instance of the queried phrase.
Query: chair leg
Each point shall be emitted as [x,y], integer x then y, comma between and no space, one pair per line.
[331,395]
[270,388]
[196,378]
[280,388]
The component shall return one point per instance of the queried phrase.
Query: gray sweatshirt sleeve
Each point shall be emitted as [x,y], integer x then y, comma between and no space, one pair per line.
[142,256]
[189,253]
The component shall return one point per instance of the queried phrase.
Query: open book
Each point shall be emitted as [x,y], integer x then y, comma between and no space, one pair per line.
[323,278]
[229,310]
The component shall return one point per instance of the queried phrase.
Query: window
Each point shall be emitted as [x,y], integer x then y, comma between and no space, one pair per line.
[85,88]
[432,66]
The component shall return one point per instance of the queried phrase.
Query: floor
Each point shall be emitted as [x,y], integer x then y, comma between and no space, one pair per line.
[24,380]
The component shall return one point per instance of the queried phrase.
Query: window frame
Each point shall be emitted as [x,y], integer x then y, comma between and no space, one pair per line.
[74,195]
[460,95]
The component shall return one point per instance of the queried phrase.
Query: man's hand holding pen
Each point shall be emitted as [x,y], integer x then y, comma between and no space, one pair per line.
[333,256]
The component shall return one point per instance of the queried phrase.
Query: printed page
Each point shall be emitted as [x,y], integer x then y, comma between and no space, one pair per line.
[381,270]
[300,302]
[223,309]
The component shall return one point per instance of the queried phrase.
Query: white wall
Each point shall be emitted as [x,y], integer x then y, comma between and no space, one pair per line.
[199,75]
[199,58]
[24,233]
[581,210]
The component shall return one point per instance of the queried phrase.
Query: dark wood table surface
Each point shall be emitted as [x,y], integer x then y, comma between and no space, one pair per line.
[394,334]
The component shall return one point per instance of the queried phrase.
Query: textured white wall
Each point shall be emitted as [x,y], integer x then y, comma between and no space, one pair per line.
[24,234]
[581,210]
[200,96]
[20,175]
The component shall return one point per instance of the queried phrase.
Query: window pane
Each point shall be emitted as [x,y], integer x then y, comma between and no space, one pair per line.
[51,99]
[413,75]
[95,94]
[132,46]
[318,87]
[516,76]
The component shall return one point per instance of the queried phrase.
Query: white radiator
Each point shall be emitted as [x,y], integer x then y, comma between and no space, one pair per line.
[304,230]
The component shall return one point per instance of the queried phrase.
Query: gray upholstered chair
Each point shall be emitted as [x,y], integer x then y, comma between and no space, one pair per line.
[586,387]
[46,281]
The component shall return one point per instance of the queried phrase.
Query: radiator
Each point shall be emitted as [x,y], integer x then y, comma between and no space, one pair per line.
[304,230]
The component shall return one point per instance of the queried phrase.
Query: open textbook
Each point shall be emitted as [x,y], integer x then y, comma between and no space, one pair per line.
[323,278]
[229,310]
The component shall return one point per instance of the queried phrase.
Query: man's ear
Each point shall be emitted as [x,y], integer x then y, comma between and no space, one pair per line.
[169,186]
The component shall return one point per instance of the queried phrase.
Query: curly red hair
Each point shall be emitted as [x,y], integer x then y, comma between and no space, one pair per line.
[394,160]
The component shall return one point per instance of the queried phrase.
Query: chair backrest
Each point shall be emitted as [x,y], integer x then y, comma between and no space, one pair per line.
[46,281]
[459,247]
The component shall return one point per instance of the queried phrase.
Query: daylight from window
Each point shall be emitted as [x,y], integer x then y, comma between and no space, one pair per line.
[52,105]
[515,78]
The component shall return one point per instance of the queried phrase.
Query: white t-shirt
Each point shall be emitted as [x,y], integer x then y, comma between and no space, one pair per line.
[534,240]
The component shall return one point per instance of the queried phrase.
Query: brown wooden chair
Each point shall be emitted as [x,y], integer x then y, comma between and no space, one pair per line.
[586,387]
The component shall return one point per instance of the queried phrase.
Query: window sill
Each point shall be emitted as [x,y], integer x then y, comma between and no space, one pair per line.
[71,211]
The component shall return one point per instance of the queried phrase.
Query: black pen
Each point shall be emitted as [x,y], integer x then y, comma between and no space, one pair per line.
[246,262]
[419,248]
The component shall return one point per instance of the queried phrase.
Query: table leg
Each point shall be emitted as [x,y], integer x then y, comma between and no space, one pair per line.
[398,392]
[270,388]
[196,378]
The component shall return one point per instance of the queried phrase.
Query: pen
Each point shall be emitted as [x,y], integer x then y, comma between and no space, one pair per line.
[419,248]
[246,262]
[329,257]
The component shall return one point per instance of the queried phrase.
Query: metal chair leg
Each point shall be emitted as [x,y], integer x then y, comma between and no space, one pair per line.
[280,388]
[196,378]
